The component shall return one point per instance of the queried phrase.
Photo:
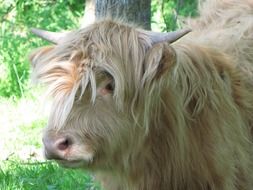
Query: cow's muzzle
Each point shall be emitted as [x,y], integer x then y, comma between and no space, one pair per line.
[57,147]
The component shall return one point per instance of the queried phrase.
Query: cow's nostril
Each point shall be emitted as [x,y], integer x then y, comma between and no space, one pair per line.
[64,144]
[57,147]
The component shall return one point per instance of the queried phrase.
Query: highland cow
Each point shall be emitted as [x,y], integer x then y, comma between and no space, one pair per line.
[145,110]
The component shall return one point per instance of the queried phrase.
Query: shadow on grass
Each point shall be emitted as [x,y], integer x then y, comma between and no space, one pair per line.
[16,175]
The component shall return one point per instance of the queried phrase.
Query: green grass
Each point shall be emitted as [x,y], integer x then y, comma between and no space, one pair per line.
[18,175]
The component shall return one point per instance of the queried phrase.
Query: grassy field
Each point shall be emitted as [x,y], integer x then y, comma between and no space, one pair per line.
[22,166]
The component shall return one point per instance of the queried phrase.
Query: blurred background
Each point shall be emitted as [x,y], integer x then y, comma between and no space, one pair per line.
[23,112]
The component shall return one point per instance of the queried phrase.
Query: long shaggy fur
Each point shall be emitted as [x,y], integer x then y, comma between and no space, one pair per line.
[180,115]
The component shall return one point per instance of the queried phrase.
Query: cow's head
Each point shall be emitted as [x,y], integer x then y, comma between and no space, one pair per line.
[99,78]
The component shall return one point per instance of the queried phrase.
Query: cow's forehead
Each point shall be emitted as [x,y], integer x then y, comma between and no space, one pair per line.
[106,32]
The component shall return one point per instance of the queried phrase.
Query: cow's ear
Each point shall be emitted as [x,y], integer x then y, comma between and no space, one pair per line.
[158,60]
[36,55]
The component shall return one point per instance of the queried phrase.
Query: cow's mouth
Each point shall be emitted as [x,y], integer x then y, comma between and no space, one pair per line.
[72,163]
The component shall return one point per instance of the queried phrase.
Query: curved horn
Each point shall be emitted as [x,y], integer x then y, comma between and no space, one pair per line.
[170,37]
[54,37]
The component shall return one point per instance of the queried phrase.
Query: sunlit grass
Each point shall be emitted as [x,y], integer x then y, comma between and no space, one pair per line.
[21,125]
[17,175]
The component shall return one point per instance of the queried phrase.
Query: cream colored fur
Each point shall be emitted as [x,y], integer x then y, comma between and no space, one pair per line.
[180,116]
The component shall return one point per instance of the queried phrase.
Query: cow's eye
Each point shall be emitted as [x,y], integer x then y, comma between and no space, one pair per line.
[110,86]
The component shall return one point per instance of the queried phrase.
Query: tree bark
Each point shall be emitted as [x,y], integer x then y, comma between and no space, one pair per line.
[133,11]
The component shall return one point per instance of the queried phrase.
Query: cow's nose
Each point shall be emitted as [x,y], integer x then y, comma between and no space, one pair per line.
[56,147]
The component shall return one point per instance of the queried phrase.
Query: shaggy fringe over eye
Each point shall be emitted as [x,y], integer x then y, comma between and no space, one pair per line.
[64,71]
[71,66]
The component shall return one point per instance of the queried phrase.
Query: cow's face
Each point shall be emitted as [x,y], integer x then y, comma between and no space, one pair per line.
[101,80]
[93,131]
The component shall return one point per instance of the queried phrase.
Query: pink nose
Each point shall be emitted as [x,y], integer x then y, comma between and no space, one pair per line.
[56,147]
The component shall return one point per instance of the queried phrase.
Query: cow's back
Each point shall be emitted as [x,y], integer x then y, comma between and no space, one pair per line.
[227,25]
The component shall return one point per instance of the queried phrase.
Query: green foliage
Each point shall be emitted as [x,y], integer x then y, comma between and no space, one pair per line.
[16,18]
[169,15]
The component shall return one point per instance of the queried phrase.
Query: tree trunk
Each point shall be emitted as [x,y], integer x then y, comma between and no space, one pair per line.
[133,11]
